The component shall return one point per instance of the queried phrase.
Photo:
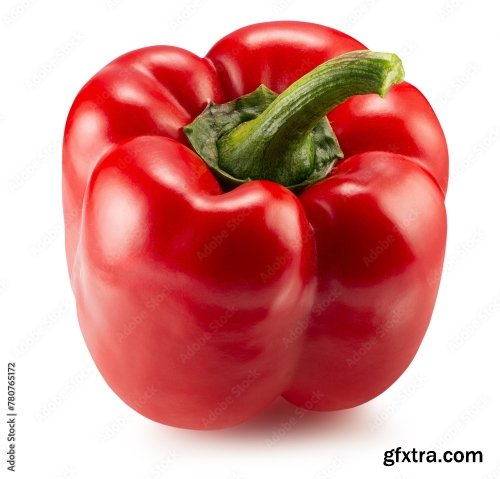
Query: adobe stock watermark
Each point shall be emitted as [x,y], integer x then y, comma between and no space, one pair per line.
[379,249]
[380,332]
[280,6]
[214,326]
[449,8]
[47,239]
[4,286]
[67,472]
[272,269]
[230,399]
[149,393]
[152,304]
[68,388]
[478,149]
[281,260]
[63,51]
[116,425]
[16,12]
[113,428]
[320,307]
[464,418]
[30,169]
[113,4]
[493,474]
[407,393]
[331,469]
[163,465]
[472,327]
[298,414]
[458,83]
[455,258]
[11,417]
[360,11]
[185,14]
[48,322]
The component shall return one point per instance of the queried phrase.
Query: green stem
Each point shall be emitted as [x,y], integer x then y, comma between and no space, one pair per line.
[278,145]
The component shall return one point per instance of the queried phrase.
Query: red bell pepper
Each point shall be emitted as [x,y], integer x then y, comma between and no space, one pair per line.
[221,251]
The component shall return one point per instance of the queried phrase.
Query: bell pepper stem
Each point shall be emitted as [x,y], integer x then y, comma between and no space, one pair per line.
[277,145]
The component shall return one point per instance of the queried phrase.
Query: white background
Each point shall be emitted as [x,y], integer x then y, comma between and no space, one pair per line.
[71,425]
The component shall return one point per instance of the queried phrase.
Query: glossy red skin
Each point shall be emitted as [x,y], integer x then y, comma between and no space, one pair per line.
[201,307]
